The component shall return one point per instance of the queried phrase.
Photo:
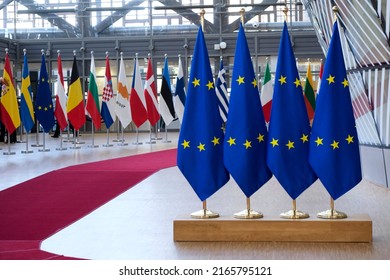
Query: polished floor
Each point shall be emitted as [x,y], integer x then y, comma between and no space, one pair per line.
[139,223]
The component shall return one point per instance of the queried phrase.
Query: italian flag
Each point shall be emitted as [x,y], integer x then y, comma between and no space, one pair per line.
[266,94]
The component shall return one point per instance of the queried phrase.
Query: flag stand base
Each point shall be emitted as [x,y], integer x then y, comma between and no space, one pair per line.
[123,144]
[93,146]
[204,214]
[294,214]
[331,214]
[248,214]
[355,228]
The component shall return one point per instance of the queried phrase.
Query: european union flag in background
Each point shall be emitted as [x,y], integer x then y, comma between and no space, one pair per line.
[334,145]
[200,150]
[289,128]
[246,134]
[44,103]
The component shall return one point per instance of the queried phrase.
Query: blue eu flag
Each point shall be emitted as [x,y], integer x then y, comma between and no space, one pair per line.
[334,145]
[44,104]
[289,128]
[246,134]
[200,157]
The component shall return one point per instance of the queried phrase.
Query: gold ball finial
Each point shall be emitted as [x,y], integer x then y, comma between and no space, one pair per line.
[242,12]
[335,9]
[285,10]
[202,12]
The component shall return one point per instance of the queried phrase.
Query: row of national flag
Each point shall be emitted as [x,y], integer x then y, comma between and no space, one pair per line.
[292,150]
[138,103]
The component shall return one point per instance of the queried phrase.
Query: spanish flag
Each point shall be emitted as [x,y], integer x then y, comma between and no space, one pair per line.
[9,111]
[75,107]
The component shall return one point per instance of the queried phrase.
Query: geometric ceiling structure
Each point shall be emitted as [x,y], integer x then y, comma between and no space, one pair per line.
[364,33]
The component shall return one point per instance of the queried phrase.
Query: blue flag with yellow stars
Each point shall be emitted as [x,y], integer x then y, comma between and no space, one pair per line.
[44,111]
[246,134]
[200,149]
[334,145]
[289,127]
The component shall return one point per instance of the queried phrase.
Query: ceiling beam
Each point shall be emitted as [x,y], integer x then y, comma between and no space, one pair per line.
[110,20]
[62,24]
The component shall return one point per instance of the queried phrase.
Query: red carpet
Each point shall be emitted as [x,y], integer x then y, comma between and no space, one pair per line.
[34,210]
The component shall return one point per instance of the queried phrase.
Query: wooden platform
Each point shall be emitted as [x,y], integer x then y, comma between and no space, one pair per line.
[356,228]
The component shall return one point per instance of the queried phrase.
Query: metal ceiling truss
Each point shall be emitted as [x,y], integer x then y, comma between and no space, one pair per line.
[84,28]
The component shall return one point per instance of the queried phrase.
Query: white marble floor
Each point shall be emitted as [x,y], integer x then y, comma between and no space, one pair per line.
[138,224]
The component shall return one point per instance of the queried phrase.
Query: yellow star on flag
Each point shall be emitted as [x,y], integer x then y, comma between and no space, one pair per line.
[345,82]
[304,138]
[260,137]
[196,82]
[297,82]
[201,147]
[185,144]
[247,144]
[335,144]
[274,142]
[39,107]
[290,145]
[254,83]
[349,139]
[282,80]
[45,109]
[215,141]
[240,80]
[330,79]
[210,85]
[319,141]
[231,141]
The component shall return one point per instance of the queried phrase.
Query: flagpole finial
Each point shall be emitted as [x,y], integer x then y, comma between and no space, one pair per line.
[149,55]
[58,52]
[165,55]
[335,10]
[121,53]
[202,13]
[74,52]
[24,51]
[267,59]
[6,50]
[308,60]
[221,57]
[42,51]
[91,52]
[106,53]
[179,55]
[242,12]
[285,11]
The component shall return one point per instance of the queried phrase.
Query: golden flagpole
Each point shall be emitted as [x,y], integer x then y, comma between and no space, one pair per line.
[248,213]
[204,213]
